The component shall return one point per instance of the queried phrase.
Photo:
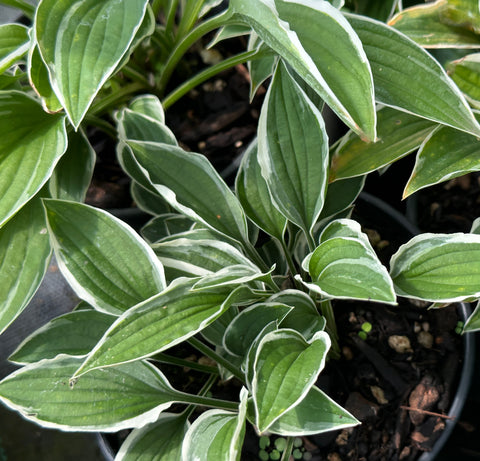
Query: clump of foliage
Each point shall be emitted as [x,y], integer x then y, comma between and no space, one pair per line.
[247,276]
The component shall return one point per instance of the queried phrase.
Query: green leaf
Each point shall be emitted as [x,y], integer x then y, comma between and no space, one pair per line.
[315,414]
[148,201]
[246,326]
[31,145]
[74,171]
[340,196]
[159,441]
[408,78]
[377,9]
[438,267]
[345,266]
[399,133]
[75,41]
[14,43]
[304,316]
[198,257]
[217,434]
[252,191]
[327,54]
[166,226]
[24,257]
[445,154]
[192,186]
[430,26]
[148,105]
[175,314]
[105,261]
[75,333]
[130,395]
[285,368]
[293,151]
[465,73]
[40,82]
[259,69]
[473,322]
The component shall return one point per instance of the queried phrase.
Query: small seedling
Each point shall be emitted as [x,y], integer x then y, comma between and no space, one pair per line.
[365,329]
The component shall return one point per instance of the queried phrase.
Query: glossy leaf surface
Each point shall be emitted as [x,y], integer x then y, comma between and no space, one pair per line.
[159,441]
[318,53]
[465,73]
[253,193]
[129,395]
[285,368]
[473,322]
[408,78]
[438,267]
[156,324]
[293,151]
[432,25]
[31,145]
[72,176]
[399,133]
[75,333]
[24,257]
[105,261]
[315,414]
[216,434]
[445,154]
[344,265]
[194,189]
[75,41]
[14,43]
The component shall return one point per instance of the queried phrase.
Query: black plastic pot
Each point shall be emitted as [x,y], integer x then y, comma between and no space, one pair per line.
[380,215]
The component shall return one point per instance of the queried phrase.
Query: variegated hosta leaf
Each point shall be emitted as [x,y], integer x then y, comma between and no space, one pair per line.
[148,105]
[259,69]
[198,257]
[233,276]
[465,73]
[399,133]
[446,154]
[130,395]
[285,368]
[245,327]
[438,267]
[315,414]
[378,9]
[190,184]
[168,226]
[24,257]
[409,78]
[345,265]
[318,53]
[255,198]
[304,316]
[14,43]
[293,151]
[75,41]
[31,144]
[40,82]
[164,320]
[433,26]
[75,333]
[217,434]
[72,175]
[473,322]
[158,441]
[105,261]
[148,201]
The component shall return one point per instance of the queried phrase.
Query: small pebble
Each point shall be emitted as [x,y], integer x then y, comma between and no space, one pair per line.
[379,395]
[425,339]
[400,344]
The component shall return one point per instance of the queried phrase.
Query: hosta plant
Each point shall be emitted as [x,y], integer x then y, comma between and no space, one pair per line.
[247,276]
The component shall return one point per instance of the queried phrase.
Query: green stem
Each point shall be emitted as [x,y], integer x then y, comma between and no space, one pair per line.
[331,327]
[102,124]
[288,257]
[189,17]
[203,391]
[164,358]
[201,77]
[156,7]
[204,349]
[116,98]
[310,241]
[170,17]
[136,76]
[255,256]
[179,51]
[27,8]
[288,449]
[205,401]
